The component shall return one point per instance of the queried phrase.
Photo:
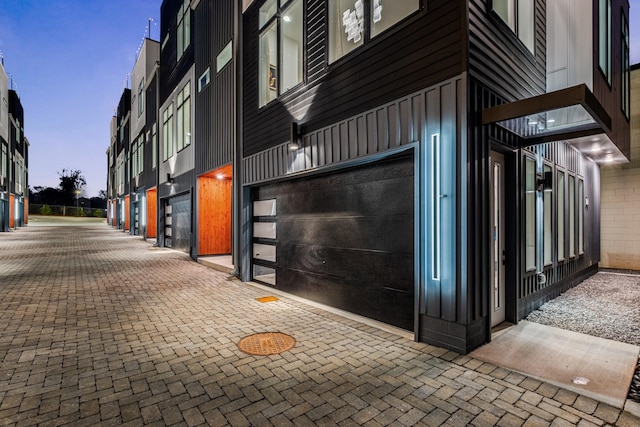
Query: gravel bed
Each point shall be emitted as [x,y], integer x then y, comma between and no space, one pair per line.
[606,305]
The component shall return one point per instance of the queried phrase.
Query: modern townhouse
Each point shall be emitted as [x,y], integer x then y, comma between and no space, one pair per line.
[4,149]
[112,203]
[121,206]
[434,165]
[214,121]
[143,137]
[176,162]
[18,164]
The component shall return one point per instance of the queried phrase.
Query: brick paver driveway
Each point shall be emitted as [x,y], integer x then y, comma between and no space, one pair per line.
[100,328]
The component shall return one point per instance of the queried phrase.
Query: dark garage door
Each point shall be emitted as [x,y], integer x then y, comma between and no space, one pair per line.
[346,239]
[178,223]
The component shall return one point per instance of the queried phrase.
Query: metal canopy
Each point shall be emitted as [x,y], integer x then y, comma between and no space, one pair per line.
[561,115]
[572,114]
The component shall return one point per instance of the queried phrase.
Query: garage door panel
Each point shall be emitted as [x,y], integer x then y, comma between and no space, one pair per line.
[381,269]
[374,233]
[366,299]
[346,239]
[180,223]
[371,197]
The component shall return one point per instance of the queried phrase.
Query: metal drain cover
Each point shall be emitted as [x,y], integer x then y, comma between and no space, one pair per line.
[266,343]
[580,380]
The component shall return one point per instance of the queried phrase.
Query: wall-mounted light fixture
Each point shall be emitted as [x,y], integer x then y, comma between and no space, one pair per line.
[169,178]
[294,136]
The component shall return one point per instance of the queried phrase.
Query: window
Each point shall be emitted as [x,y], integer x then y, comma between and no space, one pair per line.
[141,154]
[281,48]
[184,117]
[561,216]
[348,27]
[572,216]
[141,98]
[134,159]
[223,58]
[183,28]
[625,86]
[604,38]
[204,79]
[580,206]
[548,227]
[519,15]
[154,148]
[164,41]
[530,213]
[167,132]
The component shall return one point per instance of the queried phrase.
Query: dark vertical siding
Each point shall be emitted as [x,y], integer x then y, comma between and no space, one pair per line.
[172,70]
[499,60]
[428,47]
[214,106]
[151,106]
[610,96]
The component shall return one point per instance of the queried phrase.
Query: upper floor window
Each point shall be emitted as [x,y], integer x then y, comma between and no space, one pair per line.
[351,22]
[204,79]
[183,28]
[281,48]
[141,98]
[184,117]
[519,15]
[625,86]
[604,38]
[167,132]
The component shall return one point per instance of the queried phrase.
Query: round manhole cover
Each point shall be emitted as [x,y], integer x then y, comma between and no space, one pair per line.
[266,343]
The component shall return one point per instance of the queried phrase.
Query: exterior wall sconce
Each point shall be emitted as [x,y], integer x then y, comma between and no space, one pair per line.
[295,134]
[169,178]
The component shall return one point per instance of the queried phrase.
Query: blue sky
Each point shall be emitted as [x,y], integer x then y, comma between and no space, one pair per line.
[69,60]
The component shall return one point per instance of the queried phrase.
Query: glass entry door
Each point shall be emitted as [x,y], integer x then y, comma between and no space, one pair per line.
[497,239]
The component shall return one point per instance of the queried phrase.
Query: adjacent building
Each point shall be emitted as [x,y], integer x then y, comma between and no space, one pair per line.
[14,158]
[620,224]
[433,165]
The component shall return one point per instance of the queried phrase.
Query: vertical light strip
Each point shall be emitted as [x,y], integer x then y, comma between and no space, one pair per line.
[435,207]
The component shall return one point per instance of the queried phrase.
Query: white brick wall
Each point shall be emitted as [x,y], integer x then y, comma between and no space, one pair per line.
[620,198]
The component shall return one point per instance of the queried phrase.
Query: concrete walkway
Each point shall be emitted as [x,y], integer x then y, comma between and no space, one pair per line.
[100,328]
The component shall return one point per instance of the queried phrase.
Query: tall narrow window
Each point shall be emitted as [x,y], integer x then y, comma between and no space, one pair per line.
[548,226]
[167,132]
[141,98]
[154,145]
[530,214]
[561,214]
[280,48]
[519,15]
[184,117]
[625,86]
[580,205]
[572,216]
[604,38]
[183,28]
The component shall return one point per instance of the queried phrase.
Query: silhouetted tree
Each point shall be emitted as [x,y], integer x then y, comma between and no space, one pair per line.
[70,182]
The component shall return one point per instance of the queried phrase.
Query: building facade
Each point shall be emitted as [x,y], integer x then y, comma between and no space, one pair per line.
[620,189]
[434,165]
[431,165]
[14,158]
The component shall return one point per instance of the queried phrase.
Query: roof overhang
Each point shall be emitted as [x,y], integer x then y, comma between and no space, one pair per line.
[573,114]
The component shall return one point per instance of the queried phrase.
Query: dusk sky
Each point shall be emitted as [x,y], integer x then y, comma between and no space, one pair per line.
[69,61]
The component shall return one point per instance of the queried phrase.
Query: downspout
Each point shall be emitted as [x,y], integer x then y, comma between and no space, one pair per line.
[236,180]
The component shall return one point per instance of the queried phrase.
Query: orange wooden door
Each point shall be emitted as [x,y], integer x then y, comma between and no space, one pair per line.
[152,206]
